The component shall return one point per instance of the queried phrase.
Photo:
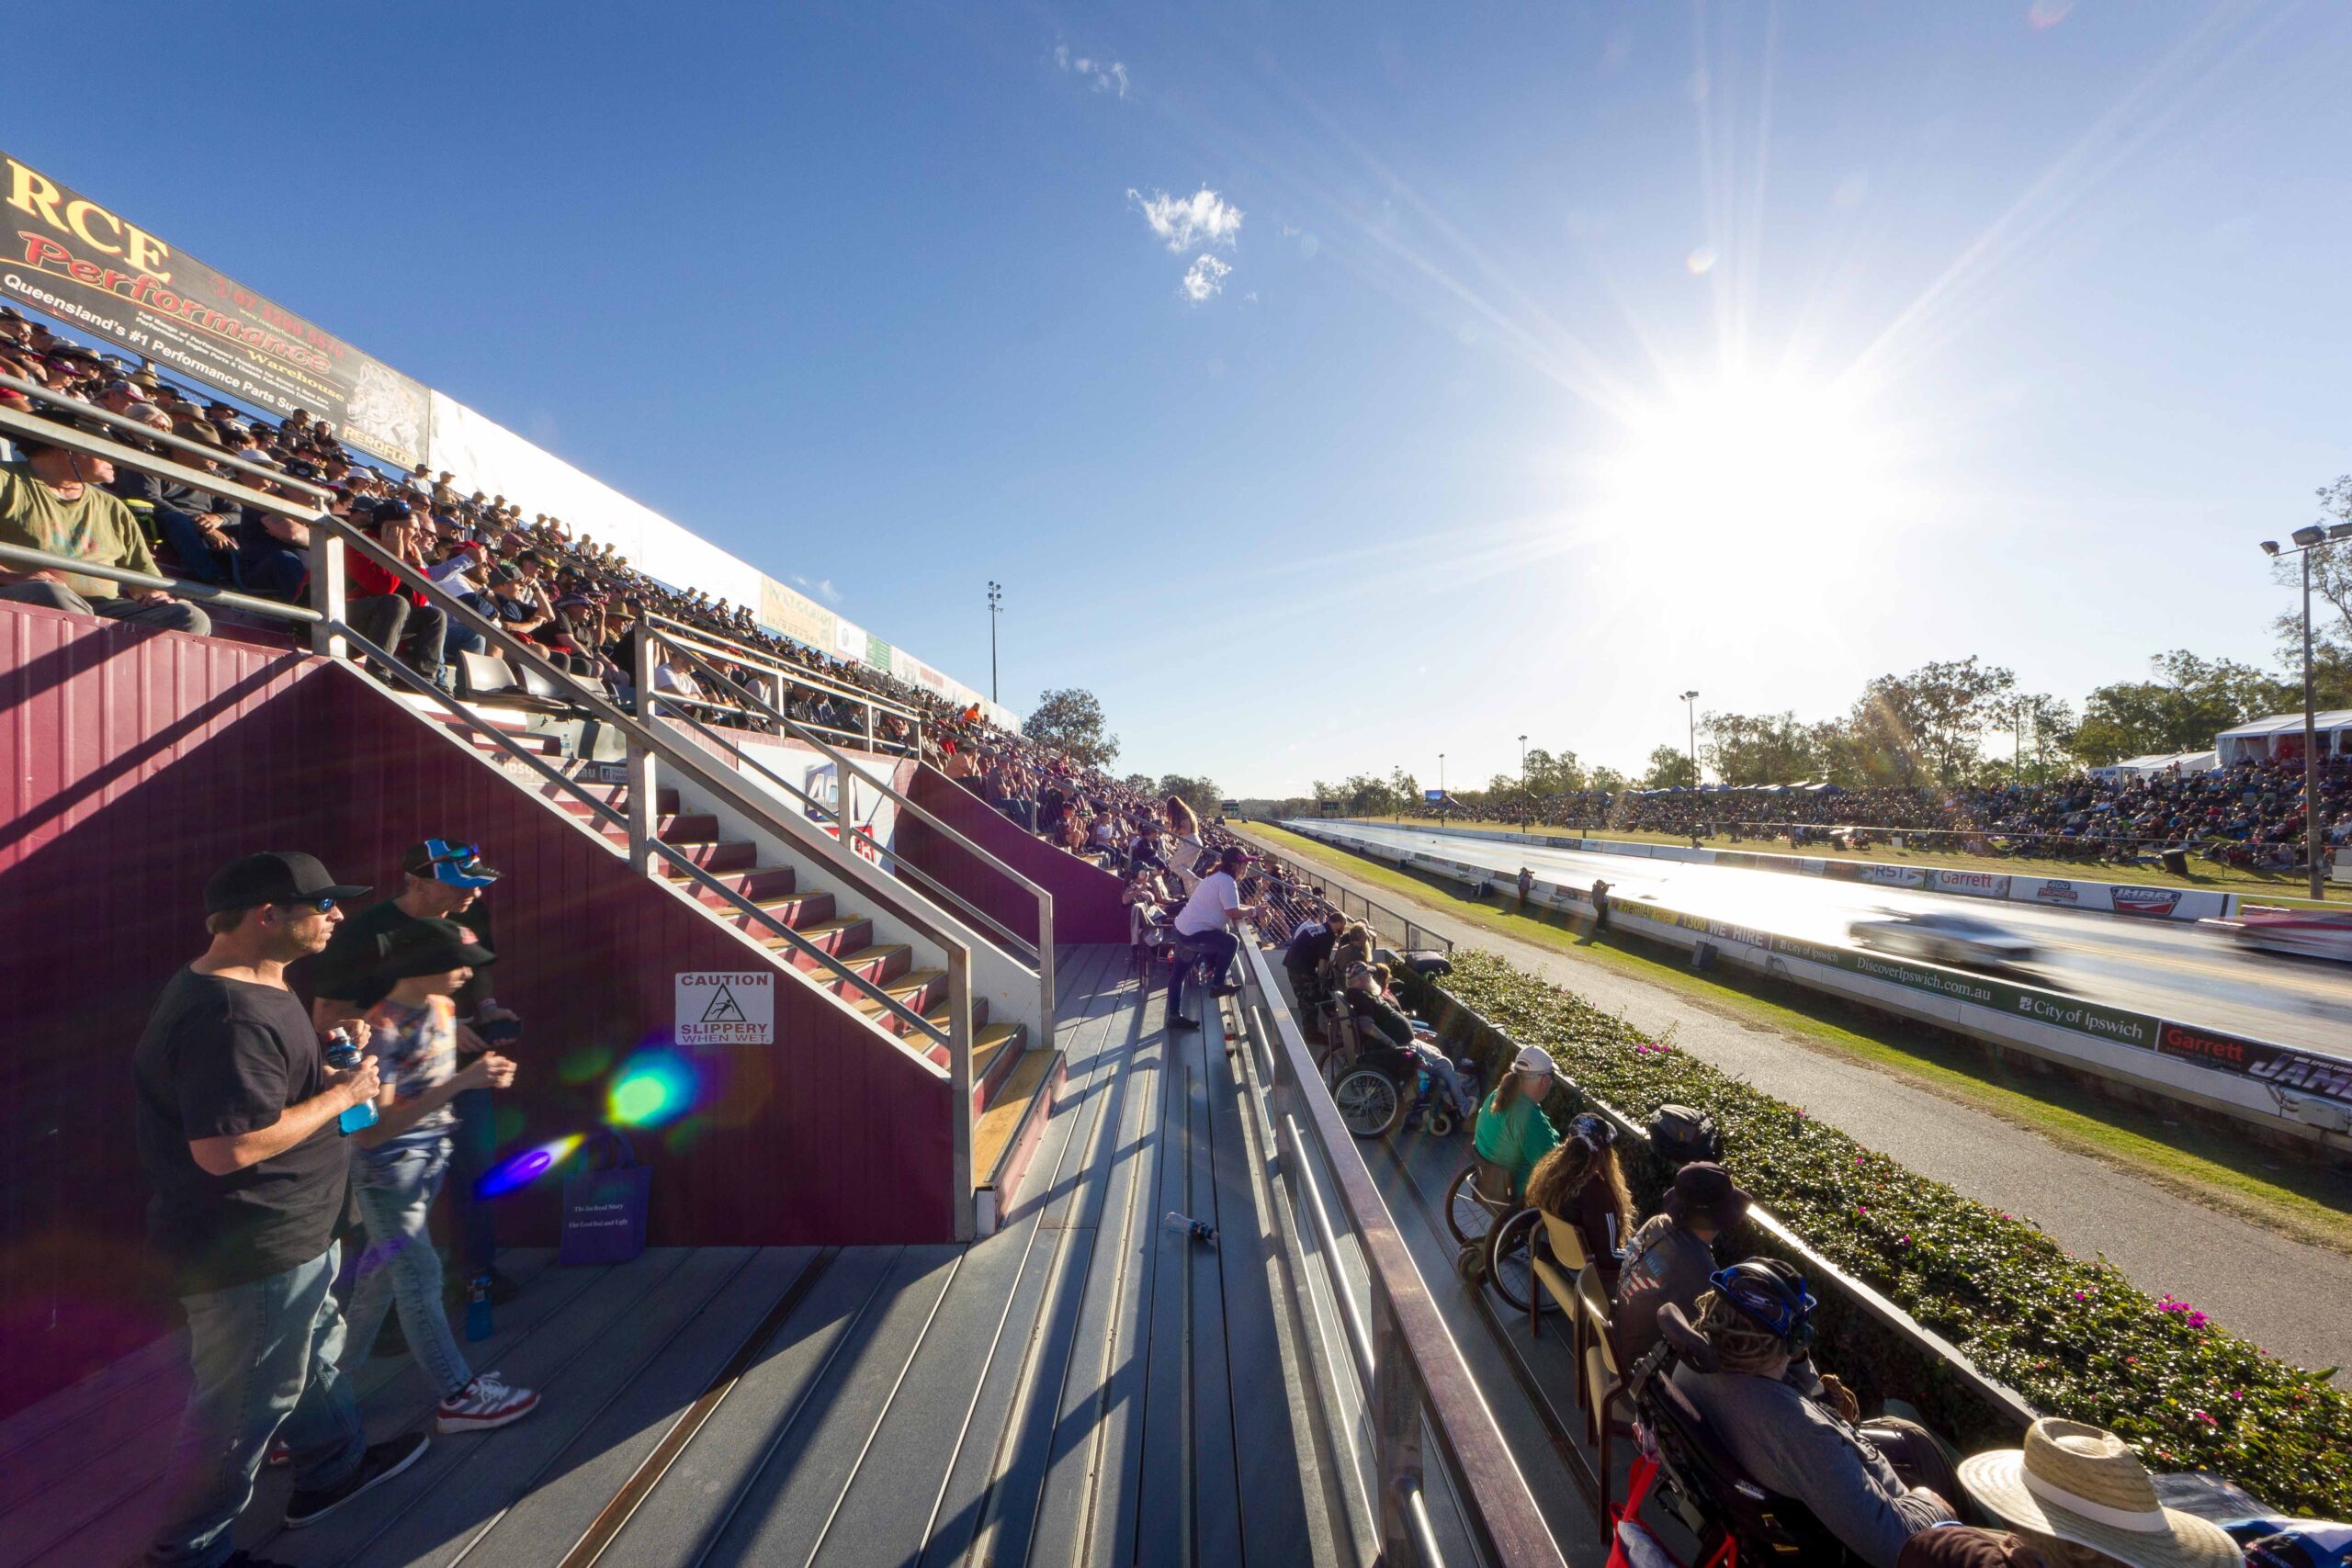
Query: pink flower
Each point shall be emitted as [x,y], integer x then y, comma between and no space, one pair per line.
[2202,1417]
[2078,1295]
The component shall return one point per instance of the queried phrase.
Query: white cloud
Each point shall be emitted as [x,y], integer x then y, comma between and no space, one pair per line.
[1205,278]
[823,588]
[1103,75]
[1203,218]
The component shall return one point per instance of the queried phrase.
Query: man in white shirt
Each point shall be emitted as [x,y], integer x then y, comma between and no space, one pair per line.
[1205,923]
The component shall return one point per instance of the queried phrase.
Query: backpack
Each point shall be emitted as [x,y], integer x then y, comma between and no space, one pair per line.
[1679,1135]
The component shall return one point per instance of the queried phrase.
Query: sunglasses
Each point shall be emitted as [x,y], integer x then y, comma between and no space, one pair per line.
[323,905]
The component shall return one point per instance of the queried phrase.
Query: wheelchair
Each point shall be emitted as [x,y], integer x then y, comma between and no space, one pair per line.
[1496,1238]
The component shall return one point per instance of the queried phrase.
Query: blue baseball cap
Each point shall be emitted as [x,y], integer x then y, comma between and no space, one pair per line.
[458,866]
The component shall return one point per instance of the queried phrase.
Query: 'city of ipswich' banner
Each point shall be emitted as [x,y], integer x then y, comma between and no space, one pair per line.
[66,256]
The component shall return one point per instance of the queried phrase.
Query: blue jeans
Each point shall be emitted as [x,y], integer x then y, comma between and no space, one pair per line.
[262,1359]
[1217,947]
[396,1190]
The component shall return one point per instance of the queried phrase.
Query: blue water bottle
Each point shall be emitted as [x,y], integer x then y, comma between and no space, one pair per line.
[342,1055]
[478,1306]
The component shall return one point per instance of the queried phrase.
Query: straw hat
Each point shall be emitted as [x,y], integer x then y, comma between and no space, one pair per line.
[2083,1484]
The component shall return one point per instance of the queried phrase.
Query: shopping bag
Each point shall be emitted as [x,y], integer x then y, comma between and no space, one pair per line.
[605,1205]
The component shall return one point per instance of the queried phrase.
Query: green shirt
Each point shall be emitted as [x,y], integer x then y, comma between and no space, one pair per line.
[94,525]
[1514,1139]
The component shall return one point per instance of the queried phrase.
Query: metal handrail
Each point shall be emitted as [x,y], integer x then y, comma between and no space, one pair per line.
[613,814]
[678,708]
[731,648]
[1042,953]
[45,560]
[1418,1376]
[35,391]
[28,427]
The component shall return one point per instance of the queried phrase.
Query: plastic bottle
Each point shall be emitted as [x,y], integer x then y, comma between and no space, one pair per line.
[477,1325]
[1184,1224]
[342,1055]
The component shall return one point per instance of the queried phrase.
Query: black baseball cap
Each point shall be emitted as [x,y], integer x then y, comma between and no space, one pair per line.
[1704,1190]
[274,876]
[428,947]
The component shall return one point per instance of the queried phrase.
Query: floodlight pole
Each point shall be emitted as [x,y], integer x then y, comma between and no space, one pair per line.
[2314,833]
[996,608]
[1690,712]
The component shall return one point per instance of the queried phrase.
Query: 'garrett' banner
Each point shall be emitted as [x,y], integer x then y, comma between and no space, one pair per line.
[66,256]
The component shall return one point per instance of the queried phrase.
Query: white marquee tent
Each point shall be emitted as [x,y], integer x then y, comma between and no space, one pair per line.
[2261,740]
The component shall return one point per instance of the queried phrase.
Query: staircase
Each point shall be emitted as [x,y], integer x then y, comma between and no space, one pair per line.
[1013,1085]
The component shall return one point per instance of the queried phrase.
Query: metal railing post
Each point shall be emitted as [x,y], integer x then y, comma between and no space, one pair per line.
[1047,1023]
[329,595]
[959,1085]
[1396,1414]
[644,784]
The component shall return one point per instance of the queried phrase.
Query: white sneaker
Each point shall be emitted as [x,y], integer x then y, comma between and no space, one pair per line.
[484,1405]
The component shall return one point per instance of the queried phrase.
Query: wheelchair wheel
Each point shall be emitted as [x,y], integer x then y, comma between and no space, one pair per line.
[1468,1215]
[1511,1267]
[1439,1124]
[1368,1101]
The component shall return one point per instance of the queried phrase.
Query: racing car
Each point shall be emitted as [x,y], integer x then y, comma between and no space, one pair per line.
[2305,933]
[1962,941]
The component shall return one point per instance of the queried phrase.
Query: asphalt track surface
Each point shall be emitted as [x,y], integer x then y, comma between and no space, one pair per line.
[2175,969]
[2292,1298]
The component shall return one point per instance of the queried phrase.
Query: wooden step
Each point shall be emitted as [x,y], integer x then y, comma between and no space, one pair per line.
[798,910]
[736,854]
[541,745]
[676,829]
[916,989]
[665,800]
[759,884]
[996,1048]
[1007,1133]
[839,935]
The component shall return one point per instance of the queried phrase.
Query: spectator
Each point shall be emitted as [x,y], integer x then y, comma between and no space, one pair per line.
[442,879]
[1581,1182]
[401,1161]
[2082,1499]
[1757,1318]
[54,501]
[1309,948]
[1514,1134]
[1672,1256]
[236,1119]
[386,611]
[1205,923]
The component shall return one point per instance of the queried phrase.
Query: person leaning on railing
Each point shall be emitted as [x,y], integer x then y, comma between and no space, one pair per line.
[52,501]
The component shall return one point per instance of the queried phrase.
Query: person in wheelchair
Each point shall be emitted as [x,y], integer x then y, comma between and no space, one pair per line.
[1398,1046]
[1582,1183]
[1672,1257]
[1871,1487]
[1514,1134]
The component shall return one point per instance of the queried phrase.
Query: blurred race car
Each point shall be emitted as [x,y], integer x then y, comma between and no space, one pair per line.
[2306,933]
[1961,940]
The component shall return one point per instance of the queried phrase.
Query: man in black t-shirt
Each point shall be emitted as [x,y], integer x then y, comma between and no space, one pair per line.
[442,879]
[236,1122]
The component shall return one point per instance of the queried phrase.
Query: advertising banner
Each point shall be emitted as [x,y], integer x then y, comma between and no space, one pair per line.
[878,653]
[1972,884]
[2279,1065]
[2152,903]
[2062,895]
[796,616]
[68,257]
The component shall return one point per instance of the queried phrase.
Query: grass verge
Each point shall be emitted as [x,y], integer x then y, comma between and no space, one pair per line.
[2233,1175]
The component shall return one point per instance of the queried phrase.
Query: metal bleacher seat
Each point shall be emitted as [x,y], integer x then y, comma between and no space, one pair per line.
[487,678]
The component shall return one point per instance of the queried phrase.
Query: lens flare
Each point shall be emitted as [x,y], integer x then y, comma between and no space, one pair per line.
[651,1088]
[524,1168]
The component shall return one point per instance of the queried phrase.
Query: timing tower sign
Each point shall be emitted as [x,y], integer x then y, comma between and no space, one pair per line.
[67,256]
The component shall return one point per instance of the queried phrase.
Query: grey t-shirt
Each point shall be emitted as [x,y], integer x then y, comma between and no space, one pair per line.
[1663,1263]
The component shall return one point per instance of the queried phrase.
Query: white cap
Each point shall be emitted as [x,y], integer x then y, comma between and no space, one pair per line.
[1533,1059]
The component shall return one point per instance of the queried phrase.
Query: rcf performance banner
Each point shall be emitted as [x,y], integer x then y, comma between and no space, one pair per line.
[68,257]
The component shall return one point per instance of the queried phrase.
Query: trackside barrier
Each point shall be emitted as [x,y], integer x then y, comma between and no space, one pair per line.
[2141,900]
[2280,1088]
[1388,1372]
[2001,1408]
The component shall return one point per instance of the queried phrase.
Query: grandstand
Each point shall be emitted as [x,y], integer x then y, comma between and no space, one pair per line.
[941,1243]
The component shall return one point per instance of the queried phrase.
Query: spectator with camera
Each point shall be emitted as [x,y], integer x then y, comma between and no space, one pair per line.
[236,1113]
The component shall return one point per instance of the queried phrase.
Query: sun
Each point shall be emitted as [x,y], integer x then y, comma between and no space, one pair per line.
[1759,458]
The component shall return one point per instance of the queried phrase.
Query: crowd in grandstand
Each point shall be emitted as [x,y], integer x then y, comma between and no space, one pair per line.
[2247,814]
[576,599]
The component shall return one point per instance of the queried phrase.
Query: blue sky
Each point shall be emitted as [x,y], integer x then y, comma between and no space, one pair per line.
[1566,357]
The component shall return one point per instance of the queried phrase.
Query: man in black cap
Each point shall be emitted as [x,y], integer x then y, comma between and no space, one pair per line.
[237,1130]
[1672,1256]
[442,879]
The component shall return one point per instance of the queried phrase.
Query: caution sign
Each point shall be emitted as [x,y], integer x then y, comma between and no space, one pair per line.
[717,1007]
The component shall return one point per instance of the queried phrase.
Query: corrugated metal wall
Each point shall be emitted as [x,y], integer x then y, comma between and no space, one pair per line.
[138,762]
[1086,897]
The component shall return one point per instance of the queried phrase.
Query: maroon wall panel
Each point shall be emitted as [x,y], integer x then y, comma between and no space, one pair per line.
[138,762]
[1086,897]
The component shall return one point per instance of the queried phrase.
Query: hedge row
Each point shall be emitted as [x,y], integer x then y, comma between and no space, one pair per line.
[2074,1337]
